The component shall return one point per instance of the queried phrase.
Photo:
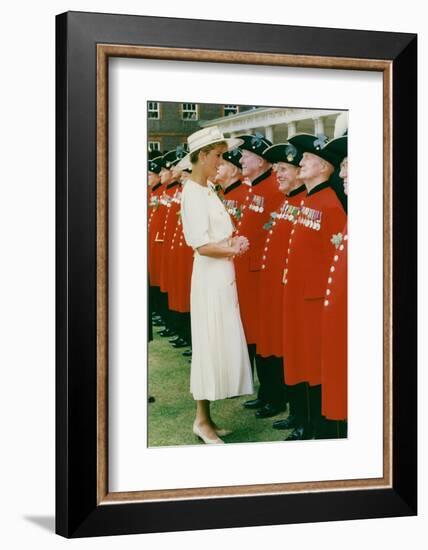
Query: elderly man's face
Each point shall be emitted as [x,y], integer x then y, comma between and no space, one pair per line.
[153,178]
[344,174]
[176,173]
[225,172]
[311,166]
[165,176]
[286,175]
[251,164]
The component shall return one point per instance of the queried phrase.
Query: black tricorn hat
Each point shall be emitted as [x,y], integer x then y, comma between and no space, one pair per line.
[171,158]
[339,147]
[155,165]
[256,144]
[233,156]
[308,143]
[283,152]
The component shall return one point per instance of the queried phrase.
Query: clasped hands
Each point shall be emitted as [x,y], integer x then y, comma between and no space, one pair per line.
[240,244]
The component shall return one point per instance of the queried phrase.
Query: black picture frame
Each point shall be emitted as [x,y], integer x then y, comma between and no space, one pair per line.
[78,510]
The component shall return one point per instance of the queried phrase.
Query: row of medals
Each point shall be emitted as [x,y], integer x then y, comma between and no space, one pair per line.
[257,204]
[310,218]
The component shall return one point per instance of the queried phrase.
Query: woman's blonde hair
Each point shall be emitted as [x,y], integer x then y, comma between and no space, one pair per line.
[194,157]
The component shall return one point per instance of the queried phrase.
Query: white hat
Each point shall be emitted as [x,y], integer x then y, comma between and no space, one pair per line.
[207,136]
[341,125]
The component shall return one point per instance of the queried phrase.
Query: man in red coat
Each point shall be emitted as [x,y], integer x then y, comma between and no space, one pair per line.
[154,191]
[262,198]
[158,232]
[334,390]
[285,158]
[306,270]
[229,176]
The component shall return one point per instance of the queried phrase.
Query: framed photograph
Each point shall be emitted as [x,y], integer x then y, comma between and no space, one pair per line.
[152,112]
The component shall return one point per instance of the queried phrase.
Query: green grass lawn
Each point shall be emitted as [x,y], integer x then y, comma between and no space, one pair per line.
[171,416]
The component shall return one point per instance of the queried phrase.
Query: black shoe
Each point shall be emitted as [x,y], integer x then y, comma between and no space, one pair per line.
[174,340]
[253,404]
[300,433]
[268,410]
[286,423]
[187,353]
[158,323]
[151,399]
[166,332]
[180,344]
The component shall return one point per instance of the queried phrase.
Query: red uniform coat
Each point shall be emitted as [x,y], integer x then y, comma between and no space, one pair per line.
[170,224]
[152,215]
[262,198]
[269,339]
[305,278]
[335,334]
[234,198]
[157,235]
[181,264]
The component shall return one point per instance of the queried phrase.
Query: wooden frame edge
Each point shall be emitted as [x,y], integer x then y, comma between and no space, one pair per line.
[104,51]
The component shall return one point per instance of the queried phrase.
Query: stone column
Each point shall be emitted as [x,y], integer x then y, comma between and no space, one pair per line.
[269,133]
[292,129]
[318,126]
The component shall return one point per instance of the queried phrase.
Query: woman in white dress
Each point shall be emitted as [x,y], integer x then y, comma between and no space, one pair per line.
[220,365]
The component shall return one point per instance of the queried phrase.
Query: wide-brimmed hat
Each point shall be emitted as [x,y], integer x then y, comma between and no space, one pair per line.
[233,156]
[202,138]
[308,143]
[155,165]
[255,143]
[283,152]
[338,147]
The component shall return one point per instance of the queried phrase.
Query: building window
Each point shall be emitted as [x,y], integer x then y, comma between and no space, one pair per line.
[189,111]
[153,110]
[231,110]
[154,146]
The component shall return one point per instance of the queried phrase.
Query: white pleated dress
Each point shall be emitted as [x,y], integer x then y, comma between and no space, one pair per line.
[220,365]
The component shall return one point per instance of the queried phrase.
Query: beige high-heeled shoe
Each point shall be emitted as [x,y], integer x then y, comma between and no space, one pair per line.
[206,439]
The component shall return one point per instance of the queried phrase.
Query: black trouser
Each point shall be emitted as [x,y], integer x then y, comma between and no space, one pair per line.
[272,388]
[299,403]
[180,324]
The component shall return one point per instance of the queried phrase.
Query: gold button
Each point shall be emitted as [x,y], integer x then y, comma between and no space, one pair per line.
[302,203]
[264,258]
[336,258]
[286,261]
[266,248]
[247,198]
[341,247]
[332,268]
[267,240]
[270,232]
[263,266]
[285,282]
[326,303]
[328,292]
[288,251]
[345,238]
[329,280]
